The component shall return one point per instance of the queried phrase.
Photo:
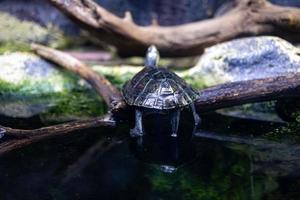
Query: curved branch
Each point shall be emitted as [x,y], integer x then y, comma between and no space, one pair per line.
[109,92]
[248,17]
[22,137]
[113,97]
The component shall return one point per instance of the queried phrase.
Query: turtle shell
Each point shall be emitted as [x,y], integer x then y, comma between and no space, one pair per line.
[158,88]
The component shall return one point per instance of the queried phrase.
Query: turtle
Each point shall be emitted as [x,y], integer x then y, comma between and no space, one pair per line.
[156,89]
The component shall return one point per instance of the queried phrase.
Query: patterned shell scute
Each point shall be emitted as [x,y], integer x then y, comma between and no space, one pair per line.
[158,88]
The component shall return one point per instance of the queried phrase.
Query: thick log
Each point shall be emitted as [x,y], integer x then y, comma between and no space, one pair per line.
[107,91]
[241,92]
[247,18]
[20,137]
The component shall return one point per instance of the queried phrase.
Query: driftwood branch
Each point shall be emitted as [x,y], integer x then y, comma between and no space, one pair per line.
[104,87]
[20,137]
[237,93]
[241,92]
[107,91]
[247,18]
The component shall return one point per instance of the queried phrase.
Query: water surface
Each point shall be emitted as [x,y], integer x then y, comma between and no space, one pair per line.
[104,163]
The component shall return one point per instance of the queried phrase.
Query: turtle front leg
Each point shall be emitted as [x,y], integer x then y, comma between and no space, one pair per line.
[138,128]
[197,119]
[175,122]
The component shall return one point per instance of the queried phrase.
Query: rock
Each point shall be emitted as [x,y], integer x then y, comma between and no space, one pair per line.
[39,12]
[17,35]
[27,74]
[30,85]
[247,59]
[23,109]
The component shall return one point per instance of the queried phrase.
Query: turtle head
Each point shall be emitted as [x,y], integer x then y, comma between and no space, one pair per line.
[152,57]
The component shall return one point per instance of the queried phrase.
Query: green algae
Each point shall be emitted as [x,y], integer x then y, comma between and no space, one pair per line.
[6,47]
[289,133]
[227,180]
[195,82]
[61,95]
[61,106]
[40,86]
[16,35]
[74,105]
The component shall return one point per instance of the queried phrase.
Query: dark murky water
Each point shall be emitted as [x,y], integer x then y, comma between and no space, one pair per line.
[106,164]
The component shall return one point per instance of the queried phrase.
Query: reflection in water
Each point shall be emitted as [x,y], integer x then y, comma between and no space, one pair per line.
[267,157]
[93,152]
[220,167]
[168,168]
[157,146]
[2,132]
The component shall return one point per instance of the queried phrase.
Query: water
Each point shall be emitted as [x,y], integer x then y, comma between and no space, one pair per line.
[228,160]
[2,132]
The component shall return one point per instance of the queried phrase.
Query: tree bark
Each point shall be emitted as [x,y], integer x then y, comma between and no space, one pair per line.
[247,18]
[107,91]
[20,137]
[241,92]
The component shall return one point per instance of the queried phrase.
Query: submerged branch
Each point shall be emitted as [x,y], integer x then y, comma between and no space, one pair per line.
[92,154]
[22,137]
